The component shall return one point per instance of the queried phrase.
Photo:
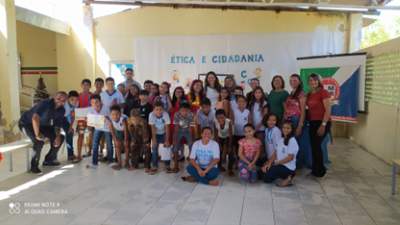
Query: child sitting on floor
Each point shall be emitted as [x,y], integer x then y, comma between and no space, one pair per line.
[140,138]
[249,150]
[119,130]
[283,162]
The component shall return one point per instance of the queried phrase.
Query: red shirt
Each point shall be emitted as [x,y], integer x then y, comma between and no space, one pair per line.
[84,102]
[315,104]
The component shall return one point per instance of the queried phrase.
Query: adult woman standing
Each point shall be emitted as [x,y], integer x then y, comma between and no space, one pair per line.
[212,88]
[277,97]
[319,109]
[296,111]
[231,84]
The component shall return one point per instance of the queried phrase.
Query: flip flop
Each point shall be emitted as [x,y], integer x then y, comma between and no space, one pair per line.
[104,159]
[91,166]
[76,160]
[153,171]
[288,184]
[126,166]
[116,167]
[168,170]
[86,155]
[175,170]
[71,157]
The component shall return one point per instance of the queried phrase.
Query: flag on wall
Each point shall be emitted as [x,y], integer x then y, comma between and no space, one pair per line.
[342,83]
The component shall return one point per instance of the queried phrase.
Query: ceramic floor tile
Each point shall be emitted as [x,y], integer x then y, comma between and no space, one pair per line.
[318,220]
[293,219]
[219,222]
[232,214]
[156,219]
[125,217]
[257,216]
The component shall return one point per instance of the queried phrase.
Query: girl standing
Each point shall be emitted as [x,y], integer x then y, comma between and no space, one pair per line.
[319,109]
[223,102]
[194,97]
[283,162]
[249,151]
[258,108]
[155,90]
[132,99]
[277,97]
[212,88]
[165,97]
[177,97]
[296,111]
[230,83]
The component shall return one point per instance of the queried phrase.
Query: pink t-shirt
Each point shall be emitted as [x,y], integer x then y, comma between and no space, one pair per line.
[293,105]
[249,151]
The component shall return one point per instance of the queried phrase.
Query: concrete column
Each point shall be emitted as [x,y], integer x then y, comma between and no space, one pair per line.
[10,108]
[355,32]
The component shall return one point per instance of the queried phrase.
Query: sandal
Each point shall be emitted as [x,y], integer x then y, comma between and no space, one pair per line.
[230,173]
[126,166]
[76,160]
[288,184]
[168,170]
[222,169]
[116,167]
[104,159]
[91,166]
[191,179]
[146,170]
[153,171]
[72,157]
[175,170]
[87,154]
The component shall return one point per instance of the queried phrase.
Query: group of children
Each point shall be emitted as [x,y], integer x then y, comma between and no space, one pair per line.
[138,121]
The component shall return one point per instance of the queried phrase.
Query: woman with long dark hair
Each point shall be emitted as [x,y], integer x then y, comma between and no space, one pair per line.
[319,110]
[194,98]
[296,111]
[212,88]
[277,97]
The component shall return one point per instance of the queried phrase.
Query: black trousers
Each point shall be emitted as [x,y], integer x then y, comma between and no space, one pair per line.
[48,132]
[231,159]
[318,168]
[235,143]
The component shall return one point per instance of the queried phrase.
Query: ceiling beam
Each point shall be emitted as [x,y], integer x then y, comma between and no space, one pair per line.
[244,4]
[374,2]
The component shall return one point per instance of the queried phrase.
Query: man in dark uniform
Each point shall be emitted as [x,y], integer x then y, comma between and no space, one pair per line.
[41,121]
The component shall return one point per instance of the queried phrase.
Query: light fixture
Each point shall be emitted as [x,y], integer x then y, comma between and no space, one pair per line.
[342,9]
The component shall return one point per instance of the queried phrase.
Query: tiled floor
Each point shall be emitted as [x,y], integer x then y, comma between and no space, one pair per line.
[356,191]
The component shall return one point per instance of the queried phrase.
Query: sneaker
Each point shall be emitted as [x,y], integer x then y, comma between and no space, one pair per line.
[56,161]
[35,170]
[310,175]
[319,179]
[51,163]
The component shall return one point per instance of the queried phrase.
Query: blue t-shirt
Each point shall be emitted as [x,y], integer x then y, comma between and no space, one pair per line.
[47,111]
[205,154]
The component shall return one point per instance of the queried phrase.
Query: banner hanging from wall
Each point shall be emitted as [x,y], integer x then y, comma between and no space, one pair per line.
[180,59]
[341,76]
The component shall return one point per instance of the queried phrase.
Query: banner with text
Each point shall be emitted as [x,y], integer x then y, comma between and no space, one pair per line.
[180,59]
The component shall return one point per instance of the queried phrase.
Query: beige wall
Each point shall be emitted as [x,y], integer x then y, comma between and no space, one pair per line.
[115,33]
[378,131]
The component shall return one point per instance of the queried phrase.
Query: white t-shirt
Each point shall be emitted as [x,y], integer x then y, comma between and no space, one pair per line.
[206,120]
[224,133]
[205,153]
[284,151]
[213,95]
[257,114]
[116,96]
[241,119]
[271,139]
[104,111]
[159,122]
[119,125]
[68,108]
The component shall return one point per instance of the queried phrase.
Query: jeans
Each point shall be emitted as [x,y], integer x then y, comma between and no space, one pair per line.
[160,139]
[96,140]
[318,168]
[69,137]
[275,172]
[181,134]
[261,161]
[211,175]
[48,132]
[296,120]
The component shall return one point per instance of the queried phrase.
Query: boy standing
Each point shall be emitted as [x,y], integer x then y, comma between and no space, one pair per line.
[159,122]
[147,87]
[121,89]
[99,109]
[118,124]
[140,132]
[237,91]
[112,97]
[99,84]
[84,102]
[144,107]
[205,115]
[68,122]
[184,123]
